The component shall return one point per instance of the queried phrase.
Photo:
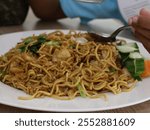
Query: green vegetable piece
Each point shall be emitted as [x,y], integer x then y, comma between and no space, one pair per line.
[135,67]
[132,59]
[133,44]
[81,91]
[54,43]
[126,48]
[28,40]
[135,55]
[41,39]
[34,48]
[124,57]
[22,48]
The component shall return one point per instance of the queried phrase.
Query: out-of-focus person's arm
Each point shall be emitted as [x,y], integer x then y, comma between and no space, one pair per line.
[47,9]
[141,27]
[54,9]
[88,11]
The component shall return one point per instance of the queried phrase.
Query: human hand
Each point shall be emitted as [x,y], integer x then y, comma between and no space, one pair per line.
[141,27]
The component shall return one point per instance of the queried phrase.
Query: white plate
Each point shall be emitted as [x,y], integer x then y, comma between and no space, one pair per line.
[9,95]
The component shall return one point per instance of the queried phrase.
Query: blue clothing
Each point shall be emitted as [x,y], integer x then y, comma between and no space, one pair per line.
[88,11]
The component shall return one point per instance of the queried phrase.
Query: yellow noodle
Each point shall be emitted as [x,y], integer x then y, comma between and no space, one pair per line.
[66,70]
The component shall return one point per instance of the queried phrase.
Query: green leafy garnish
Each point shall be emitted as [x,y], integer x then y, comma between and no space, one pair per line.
[54,43]
[81,91]
[124,57]
[36,46]
[22,48]
[135,67]
[27,40]
[41,39]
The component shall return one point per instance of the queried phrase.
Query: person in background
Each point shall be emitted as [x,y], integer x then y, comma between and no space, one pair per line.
[55,9]
[47,9]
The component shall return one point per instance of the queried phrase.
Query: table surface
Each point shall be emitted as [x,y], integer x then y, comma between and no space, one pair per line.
[32,23]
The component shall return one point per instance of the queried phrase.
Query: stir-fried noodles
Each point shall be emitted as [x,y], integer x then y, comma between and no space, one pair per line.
[64,66]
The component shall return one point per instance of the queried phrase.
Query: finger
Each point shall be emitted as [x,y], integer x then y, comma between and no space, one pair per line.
[145,12]
[143,22]
[144,32]
[133,20]
[144,18]
[144,41]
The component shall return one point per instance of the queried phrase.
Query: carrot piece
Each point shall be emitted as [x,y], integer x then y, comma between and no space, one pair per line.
[146,72]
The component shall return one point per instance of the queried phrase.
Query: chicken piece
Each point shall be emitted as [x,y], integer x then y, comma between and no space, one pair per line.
[27,57]
[61,55]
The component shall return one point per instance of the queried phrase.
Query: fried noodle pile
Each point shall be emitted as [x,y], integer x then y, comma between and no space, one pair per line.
[64,66]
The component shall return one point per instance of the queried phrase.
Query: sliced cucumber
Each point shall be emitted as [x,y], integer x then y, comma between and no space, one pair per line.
[126,48]
[133,44]
[135,55]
